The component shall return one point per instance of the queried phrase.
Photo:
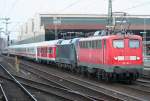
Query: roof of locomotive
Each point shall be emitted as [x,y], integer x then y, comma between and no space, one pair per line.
[70,41]
[117,36]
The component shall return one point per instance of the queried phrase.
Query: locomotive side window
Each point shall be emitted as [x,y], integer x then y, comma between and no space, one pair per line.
[99,44]
[134,43]
[118,43]
[89,44]
[104,43]
[85,44]
[93,44]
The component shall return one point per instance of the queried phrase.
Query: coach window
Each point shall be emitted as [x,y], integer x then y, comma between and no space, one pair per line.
[42,50]
[118,43]
[134,43]
[45,50]
[50,50]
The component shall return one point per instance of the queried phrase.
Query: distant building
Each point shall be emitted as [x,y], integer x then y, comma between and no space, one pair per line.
[3,44]
[43,27]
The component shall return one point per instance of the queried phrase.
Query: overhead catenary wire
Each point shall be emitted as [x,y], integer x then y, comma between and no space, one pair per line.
[69,6]
[10,11]
[138,5]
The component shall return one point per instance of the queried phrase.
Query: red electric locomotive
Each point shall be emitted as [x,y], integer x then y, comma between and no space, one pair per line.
[111,57]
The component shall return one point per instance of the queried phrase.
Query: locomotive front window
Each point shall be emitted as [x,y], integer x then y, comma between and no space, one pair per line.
[118,43]
[134,43]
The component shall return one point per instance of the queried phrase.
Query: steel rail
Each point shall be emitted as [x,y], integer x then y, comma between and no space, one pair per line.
[120,94]
[53,75]
[6,99]
[135,98]
[39,87]
[16,81]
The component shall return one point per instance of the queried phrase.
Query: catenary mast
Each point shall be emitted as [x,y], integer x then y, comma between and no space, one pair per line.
[109,19]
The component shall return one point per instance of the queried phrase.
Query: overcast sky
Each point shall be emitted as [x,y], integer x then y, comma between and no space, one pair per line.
[20,11]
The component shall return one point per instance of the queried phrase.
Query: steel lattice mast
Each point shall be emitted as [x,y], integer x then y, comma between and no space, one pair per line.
[110,19]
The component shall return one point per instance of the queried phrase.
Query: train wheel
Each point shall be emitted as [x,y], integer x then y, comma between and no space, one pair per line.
[90,75]
[99,74]
[84,71]
[78,70]
[106,76]
[73,68]
[58,65]
[114,77]
[128,81]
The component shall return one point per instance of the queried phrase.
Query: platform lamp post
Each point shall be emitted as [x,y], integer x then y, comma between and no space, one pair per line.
[6,28]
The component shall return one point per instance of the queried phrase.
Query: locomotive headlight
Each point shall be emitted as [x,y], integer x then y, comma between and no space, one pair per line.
[138,58]
[115,58]
[119,58]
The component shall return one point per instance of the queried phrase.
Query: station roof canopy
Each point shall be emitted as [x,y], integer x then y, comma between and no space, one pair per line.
[90,21]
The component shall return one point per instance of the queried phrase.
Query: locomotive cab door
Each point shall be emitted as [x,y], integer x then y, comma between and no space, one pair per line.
[104,51]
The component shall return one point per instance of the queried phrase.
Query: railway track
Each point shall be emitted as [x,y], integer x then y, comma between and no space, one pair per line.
[73,87]
[84,85]
[3,96]
[114,93]
[144,85]
[95,87]
[8,88]
[57,90]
